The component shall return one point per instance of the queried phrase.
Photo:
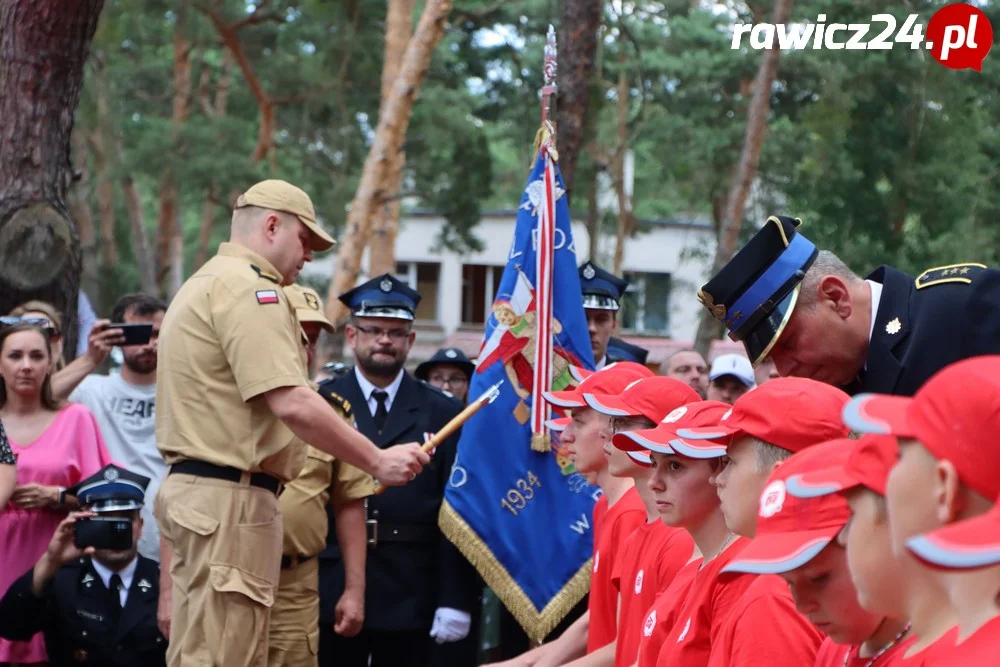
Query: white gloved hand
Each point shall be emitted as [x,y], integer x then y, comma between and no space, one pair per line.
[450,625]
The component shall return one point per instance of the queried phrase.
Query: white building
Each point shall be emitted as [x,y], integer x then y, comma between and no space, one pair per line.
[666,264]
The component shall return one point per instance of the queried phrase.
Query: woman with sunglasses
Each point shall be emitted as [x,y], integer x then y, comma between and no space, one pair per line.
[56,445]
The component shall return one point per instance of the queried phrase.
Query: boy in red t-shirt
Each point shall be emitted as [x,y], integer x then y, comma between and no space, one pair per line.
[797,539]
[764,428]
[684,621]
[940,493]
[625,512]
[653,554]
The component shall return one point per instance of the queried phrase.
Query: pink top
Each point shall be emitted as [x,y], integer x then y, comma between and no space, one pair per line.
[69,450]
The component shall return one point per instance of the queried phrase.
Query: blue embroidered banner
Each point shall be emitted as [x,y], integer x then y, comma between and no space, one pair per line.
[522,517]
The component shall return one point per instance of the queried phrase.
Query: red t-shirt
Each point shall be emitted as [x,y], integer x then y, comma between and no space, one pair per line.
[651,557]
[660,618]
[701,618]
[764,628]
[981,648]
[600,509]
[938,654]
[838,655]
[618,523]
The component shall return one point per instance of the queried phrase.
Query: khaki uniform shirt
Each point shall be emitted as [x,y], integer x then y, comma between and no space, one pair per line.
[303,503]
[228,337]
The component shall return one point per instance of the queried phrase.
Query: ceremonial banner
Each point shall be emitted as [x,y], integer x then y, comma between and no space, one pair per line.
[521,515]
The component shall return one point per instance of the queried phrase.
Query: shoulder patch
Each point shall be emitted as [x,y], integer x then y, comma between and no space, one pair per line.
[338,401]
[267,296]
[265,275]
[952,273]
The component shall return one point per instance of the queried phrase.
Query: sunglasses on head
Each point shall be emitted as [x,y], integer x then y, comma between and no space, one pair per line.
[41,323]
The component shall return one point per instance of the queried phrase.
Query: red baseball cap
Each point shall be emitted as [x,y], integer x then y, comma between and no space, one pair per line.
[558,424]
[610,380]
[792,531]
[641,457]
[790,412]
[664,439]
[964,545]
[868,465]
[651,397]
[955,416]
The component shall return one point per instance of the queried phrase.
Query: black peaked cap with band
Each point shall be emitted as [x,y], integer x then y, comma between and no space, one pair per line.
[601,289]
[446,355]
[754,294]
[383,296]
[620,350]
[110,489]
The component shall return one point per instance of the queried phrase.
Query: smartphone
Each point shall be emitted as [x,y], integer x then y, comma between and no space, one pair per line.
[103,533]
[135,334]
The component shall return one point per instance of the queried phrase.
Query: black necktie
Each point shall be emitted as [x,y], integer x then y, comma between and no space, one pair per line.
[115,600]
[380,412]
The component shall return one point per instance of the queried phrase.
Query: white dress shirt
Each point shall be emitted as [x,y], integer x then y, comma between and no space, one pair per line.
[602,363]
[126,573]
[367,388]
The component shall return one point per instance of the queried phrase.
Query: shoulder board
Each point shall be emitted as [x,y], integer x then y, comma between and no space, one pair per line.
[265,275]
[952,273]
[439,390]
[338,401]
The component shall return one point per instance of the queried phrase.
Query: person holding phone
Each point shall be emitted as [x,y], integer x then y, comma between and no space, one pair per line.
[90,594]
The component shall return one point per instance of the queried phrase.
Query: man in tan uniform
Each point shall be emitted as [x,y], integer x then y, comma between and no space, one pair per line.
[231,393]
[294,639]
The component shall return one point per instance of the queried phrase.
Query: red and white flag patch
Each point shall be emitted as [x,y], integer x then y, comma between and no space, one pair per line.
[267,296]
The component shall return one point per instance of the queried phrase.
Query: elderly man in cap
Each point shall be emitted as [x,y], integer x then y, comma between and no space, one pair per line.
[804,308]
[91,594]
[231,393]
[419,590]
[323,482]
[602,299]
[449,369]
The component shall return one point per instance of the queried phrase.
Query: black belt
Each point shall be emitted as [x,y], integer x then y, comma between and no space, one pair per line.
[288,562]
[379,531]
[205,469]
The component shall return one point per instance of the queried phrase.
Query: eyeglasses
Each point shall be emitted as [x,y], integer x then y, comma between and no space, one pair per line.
[41,323]
[395,335]
[450,380]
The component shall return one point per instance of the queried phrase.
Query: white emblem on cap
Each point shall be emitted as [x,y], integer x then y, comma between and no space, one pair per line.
[588,272]
[386,285]
[451,354]
[684,634]
[597,560]
[647,629]
[111,474]
[726,416]
[772,499]
[675,415]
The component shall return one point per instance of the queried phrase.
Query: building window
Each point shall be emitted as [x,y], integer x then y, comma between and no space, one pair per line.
[479,286]
[423,277]
[646,307]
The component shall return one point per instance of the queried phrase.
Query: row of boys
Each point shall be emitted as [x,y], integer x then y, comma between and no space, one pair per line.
[765,534]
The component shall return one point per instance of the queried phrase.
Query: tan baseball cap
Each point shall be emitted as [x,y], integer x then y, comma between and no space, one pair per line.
[308,305]
[282,196]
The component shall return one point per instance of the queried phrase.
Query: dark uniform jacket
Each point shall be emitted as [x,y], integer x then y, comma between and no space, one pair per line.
[74,615]
[413,569]
[924,324]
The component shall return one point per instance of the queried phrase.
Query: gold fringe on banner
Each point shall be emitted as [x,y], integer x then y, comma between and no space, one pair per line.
[541,443]
[546,134]
[537,624]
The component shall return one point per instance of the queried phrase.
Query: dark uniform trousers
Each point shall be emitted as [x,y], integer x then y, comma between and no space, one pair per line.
[411,569]
[924,324]
[76,618]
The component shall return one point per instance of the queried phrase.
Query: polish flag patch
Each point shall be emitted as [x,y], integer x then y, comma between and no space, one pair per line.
[267,296]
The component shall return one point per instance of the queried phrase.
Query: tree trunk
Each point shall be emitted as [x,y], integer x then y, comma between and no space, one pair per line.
[621,155]
[215,109]
[169,213]
[398,28]
[140,237]
[43,47]
[581,20]
[175,275]
[391,129]
[79,206]
[594,215]
[710,328]
[205,232]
